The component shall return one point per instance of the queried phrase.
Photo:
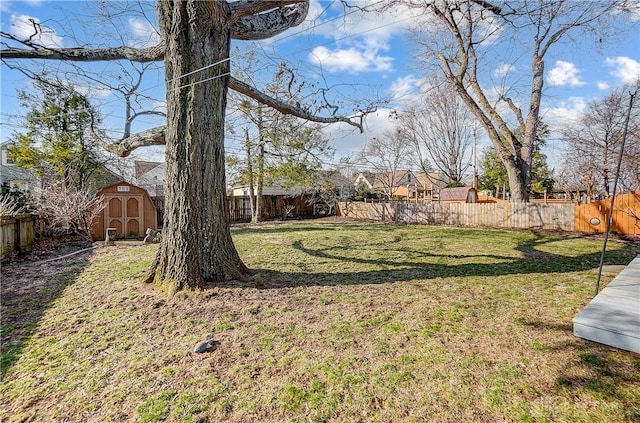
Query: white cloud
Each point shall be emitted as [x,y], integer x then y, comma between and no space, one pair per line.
[360,38]
[355,24]
[405,89]
[565,112]
[145,34]
[626,69]
[26,27]
[504,69]
[350,60]
[98,91]
[563,74]
[94,92]
[348,141]
[603,85]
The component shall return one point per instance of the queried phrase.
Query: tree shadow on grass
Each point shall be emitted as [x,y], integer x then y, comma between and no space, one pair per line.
[29,286]
[403,264]
[597,370]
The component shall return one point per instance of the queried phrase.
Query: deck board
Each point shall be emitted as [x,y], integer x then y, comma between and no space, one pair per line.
[613,316]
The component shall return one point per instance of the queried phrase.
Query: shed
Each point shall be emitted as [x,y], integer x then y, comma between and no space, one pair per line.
[129,210]
[459,195]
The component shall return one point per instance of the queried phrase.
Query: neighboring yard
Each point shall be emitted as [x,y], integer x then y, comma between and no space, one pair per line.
[354,322]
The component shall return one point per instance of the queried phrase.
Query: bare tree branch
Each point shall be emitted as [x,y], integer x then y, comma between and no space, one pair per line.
[80,54]
[124,147]
[289,109]
[243,8]
[257,20]
[251,19]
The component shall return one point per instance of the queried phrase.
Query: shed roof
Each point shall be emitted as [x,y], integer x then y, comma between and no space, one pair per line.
[131,189]
[457,194]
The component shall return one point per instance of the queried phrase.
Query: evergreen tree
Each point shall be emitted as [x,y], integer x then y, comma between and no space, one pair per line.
[55,146]
[284,150]
[494,174]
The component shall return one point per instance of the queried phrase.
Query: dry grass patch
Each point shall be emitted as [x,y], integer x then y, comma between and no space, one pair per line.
[358,322]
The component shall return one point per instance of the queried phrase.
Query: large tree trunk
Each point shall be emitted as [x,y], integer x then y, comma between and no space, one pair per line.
[196,247]
[517,185]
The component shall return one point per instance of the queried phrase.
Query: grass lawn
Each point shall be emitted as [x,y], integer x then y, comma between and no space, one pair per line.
[354,322]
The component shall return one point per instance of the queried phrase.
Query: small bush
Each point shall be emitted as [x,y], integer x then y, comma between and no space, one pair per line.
[9,207]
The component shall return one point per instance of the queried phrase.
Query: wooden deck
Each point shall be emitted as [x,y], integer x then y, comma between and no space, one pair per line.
[613,316]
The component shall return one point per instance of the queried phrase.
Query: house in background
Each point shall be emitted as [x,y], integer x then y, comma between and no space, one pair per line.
[277,202]
[282,201]
[343,186]
[398,184]
[432,182]
[152,177]
[402,184]
[25,180]
[363,181]
[15,177]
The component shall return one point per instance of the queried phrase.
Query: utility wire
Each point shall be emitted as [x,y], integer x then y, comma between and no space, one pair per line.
[315,26]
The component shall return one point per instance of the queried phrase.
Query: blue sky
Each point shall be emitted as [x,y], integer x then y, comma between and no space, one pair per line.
[361,56]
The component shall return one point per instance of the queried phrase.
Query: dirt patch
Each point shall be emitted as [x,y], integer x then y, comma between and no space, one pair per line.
[48,248]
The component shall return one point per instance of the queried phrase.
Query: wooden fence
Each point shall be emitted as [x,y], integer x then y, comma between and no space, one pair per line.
[625,219]
[17,233]
[589,217]
[498,215]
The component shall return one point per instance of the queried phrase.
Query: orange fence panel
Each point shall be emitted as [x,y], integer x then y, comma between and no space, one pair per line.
[625,218]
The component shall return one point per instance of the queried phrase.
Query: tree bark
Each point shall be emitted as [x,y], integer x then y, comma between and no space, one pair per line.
[196,247]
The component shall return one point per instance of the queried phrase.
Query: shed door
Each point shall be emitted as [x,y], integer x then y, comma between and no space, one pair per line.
[125,214]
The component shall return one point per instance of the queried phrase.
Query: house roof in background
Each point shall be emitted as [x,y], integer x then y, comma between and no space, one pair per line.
[369,176]
[141,167]
[394,179]
[9,174]
[336,178]
[431,179]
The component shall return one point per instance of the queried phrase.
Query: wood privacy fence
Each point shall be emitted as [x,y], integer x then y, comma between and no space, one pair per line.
[17,233]
[625,219]
[498,215]
[567,217]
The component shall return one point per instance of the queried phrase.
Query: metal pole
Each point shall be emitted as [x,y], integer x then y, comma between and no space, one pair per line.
[475,162]
[615,188]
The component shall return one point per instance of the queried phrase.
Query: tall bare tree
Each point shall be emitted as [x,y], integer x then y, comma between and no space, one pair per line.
[195,38]
[441,129]
[465,37]
[280,148]
[386,156]
[593,144]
